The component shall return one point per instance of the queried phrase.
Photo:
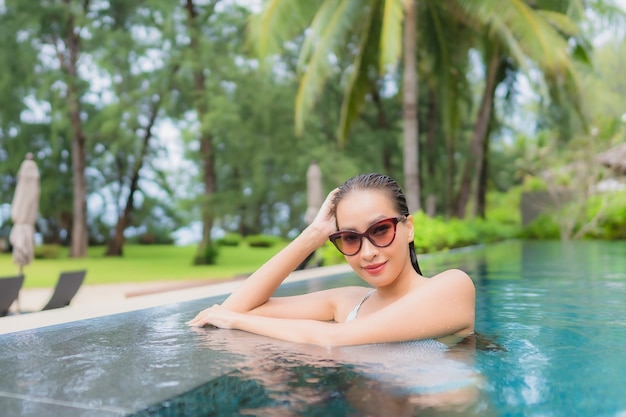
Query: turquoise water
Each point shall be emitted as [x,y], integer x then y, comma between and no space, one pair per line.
[551,320]
[559,312]
[551,342]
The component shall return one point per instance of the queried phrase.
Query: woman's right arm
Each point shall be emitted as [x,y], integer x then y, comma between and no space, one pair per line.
[258,288]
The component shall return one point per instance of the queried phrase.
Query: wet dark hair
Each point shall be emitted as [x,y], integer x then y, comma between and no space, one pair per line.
[374,181]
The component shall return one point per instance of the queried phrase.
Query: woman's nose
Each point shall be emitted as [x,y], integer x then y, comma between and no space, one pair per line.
[368,249]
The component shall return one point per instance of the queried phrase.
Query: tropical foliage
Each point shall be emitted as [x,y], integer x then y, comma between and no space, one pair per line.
[148,117]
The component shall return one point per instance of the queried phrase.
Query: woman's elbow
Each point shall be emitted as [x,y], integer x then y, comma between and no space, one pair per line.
[328,335]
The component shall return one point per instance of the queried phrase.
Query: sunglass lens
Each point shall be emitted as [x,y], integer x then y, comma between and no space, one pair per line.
[349,243]
[382,233]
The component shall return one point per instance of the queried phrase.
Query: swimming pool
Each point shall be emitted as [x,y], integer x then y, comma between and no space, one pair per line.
[559,311]
[551,317]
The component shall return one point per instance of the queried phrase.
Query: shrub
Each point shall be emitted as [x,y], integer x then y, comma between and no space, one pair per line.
[48,251]
[543,227]
[613,223]
[156,237]
[431,233]
[437,233]
[503,208]
[330,255]
[230,239]
[208,256]
[262,241]
[461,233]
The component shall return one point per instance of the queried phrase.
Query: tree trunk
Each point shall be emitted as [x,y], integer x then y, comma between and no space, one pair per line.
[79,224]
[450,175]
[480,208]
[209,175]
[79,232]
[481,191]
[117,243]
[206,138]
[474,162]
[409,89]
[381,125]
[431,152]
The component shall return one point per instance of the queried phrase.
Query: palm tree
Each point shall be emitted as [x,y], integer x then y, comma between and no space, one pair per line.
[412,186]
[370,32]
[532,38]
[446,99]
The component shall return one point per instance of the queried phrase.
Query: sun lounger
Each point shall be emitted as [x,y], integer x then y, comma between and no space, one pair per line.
[9,291]
[66,288]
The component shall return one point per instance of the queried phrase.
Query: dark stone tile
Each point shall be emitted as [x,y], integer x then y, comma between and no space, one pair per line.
[37,407]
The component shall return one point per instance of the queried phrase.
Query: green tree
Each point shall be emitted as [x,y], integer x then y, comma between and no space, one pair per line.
[198,41]
[59,27]
[135,58]
[370,34]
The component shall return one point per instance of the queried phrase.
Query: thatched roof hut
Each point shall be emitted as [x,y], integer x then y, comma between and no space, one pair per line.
[614,158]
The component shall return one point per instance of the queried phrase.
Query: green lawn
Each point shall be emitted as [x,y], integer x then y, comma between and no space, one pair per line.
[142,263]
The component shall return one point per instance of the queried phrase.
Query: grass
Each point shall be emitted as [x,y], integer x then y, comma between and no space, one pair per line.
[141,263]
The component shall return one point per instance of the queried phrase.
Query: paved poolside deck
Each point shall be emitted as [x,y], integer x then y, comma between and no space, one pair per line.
[101,300]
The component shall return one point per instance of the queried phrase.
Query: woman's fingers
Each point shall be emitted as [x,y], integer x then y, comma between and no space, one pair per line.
[324,220]
[202,318]
[215,315]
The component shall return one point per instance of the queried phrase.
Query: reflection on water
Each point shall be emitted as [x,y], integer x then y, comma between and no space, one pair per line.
[281,378]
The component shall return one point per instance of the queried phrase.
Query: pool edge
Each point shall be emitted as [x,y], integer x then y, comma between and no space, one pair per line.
[20,322]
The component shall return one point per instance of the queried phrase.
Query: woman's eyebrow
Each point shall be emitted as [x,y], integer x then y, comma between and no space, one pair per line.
[376,220]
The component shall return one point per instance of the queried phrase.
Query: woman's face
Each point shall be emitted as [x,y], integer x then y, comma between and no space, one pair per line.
[359,210]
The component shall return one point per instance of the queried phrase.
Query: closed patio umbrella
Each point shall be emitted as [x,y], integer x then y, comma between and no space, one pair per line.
[24,210]
[315,192]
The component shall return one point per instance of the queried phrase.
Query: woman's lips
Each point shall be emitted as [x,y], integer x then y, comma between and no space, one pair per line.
[374,268]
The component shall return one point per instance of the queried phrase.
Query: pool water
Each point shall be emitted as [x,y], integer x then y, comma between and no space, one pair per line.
[559,312]
[551,320]
[551,341]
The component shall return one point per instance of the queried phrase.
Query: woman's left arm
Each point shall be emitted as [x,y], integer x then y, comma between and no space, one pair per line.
[442,307]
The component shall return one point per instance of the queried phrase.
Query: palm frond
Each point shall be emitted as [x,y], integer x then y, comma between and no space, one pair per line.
[391,37]
[560,21]
[437,40]
[328,38]
[277,22]
[526,32]
[316,30]
[501,31]
[360,81]
[538,38]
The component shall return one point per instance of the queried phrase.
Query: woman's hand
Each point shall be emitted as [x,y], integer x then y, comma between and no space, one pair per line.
[324,221]
[217,316]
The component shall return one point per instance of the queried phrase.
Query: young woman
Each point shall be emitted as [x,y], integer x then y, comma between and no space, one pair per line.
[367,219]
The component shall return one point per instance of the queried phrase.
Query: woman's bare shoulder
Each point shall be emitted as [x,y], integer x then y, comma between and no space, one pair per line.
[454,275]
[455,280]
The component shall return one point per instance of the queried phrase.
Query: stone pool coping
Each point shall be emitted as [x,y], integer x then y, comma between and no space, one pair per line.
[19,322]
